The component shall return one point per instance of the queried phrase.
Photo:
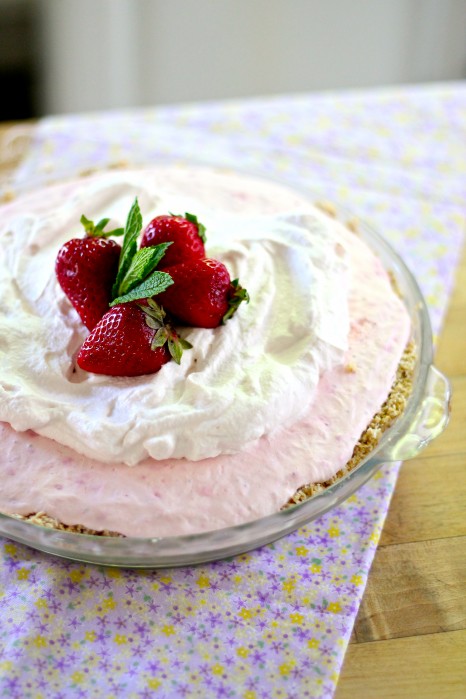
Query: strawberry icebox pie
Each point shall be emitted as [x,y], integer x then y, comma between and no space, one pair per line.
[185,349]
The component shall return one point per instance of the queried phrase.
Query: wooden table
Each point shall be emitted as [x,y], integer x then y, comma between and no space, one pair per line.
[409,639]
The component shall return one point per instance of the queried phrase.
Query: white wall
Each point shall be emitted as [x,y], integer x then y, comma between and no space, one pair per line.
[98,54]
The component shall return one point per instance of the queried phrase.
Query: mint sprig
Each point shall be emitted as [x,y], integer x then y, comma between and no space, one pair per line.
[137,277]
[155,284]
[142,264]
[129,247]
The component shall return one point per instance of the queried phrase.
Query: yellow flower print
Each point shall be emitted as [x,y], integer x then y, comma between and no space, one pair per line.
[297,618]
[333,531]
[313,643]
[357,580]
[316,568]
[90,636]
[246,613]
[77,677]
[242,652]
[301,551]
[42,604]
[334,607]
[10,549]
[77,575]
[109,603]
[289,585]
[249,694]
[40,642]
[153,683]
[203,581]
[285,668]
[23,574]
[113,573]
[120,640]
[168,630]
[217,669]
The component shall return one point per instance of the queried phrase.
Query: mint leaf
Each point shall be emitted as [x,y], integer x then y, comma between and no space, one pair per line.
[143,263]
[129,247]
[155,284]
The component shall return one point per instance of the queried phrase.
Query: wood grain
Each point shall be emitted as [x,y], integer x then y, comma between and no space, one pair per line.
[409,639]
[451,353]
[414,589]
[429,501]
[424,667]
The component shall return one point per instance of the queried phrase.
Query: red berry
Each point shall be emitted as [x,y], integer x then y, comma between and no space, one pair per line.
[86,269]
[130,340]
[202,293]
[184,232]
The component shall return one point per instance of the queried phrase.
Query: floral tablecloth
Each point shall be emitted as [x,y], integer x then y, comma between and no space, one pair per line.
[273,623]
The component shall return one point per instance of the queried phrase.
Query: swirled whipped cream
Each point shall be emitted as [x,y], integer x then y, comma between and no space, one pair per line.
[256,374]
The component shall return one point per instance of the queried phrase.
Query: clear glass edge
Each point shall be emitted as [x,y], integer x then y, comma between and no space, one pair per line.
[213,545]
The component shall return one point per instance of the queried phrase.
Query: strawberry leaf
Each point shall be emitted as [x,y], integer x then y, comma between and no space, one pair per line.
[192,218]
[164,333]
[238,295]
[200,227]
[160,337]
[143,263]
[153,310]
[129,247]
[96,230]
[176,345]
[155,284]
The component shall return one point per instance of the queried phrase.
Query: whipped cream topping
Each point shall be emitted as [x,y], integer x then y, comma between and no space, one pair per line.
[257,374]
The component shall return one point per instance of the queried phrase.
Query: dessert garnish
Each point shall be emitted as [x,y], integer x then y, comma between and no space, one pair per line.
[86,269]
[112,287]
[131,339]
[185,232]
[137,277]
[202,293]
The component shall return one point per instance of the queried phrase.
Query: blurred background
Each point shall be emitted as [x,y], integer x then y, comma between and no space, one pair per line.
[60,56]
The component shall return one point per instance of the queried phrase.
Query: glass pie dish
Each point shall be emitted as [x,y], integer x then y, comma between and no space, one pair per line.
[424,418]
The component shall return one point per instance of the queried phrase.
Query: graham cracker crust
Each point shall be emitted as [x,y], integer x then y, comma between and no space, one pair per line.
[393,407]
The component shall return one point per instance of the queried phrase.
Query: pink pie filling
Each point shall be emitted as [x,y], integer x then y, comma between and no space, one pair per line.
[175,497]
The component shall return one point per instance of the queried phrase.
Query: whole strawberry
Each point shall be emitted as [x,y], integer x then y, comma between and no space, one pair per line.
[185,233]
[202,293]
[86,269]
[131,339]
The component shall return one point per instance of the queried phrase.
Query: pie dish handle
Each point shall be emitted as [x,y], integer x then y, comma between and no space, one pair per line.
[428,423]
